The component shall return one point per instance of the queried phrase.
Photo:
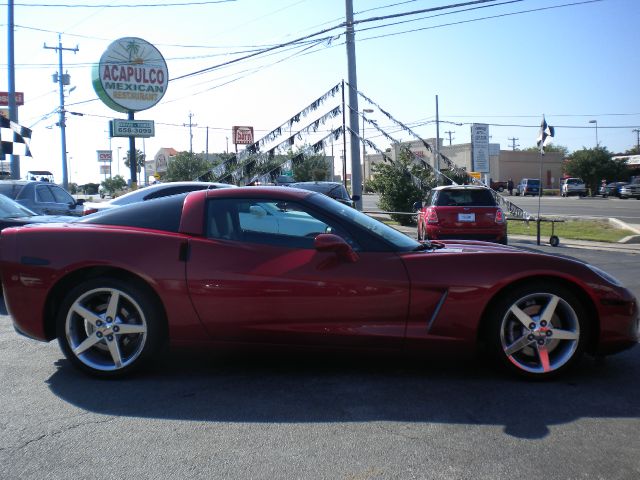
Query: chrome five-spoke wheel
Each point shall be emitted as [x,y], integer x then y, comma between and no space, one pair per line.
[105,327]
[539,330]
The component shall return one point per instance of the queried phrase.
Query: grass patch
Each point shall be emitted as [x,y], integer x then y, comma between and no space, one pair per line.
[593,230]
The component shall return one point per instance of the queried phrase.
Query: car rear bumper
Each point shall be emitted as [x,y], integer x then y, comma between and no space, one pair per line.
[485,234]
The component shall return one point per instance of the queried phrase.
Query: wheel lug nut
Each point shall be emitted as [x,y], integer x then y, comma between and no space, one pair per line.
[541,342]
[116,329]
[549,333]
[99,323]
[531,337]
[110,338]
[543,323]
[532,326]
[99,334]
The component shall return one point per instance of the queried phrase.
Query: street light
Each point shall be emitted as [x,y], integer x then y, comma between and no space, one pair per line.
[364,145]
[596,122]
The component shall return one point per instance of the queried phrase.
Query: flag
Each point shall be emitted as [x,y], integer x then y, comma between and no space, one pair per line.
[14,139]
[545,135]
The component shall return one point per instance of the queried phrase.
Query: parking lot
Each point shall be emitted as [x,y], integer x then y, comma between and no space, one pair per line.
[312,415]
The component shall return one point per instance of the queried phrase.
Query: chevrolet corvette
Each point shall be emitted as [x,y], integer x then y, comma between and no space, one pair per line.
[280,266]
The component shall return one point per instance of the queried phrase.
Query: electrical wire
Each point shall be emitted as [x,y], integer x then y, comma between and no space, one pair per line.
[137,5]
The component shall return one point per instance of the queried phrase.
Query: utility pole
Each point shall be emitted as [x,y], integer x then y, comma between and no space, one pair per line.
[191,125]
[449,132]
[354,122]
[62,80]
[513,143]
[637,132]
[437,152]
[14,160]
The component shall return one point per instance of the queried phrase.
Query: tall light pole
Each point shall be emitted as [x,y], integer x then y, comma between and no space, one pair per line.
[596,122]
[364,146]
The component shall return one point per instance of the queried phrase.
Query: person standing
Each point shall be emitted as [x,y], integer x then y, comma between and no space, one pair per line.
[510,186]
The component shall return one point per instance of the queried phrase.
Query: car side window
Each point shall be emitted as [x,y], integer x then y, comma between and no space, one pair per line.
[61,195]
[44,195]
[267,222]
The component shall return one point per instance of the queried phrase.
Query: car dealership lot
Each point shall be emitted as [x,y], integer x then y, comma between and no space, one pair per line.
[239,415]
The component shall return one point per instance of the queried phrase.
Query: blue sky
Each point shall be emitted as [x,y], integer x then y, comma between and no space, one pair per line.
[574,64]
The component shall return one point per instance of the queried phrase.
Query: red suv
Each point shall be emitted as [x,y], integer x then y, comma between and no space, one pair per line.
[466,212]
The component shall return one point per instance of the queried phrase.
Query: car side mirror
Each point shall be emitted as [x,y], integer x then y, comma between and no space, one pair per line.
[257,210]
[328,242]
[417,206]
[80,201]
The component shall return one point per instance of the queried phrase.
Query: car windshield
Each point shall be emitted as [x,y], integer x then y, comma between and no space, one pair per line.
[477,197]
[533,183]
[11,209]
[399,240]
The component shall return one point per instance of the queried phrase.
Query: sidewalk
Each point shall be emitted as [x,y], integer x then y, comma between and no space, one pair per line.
[631,245]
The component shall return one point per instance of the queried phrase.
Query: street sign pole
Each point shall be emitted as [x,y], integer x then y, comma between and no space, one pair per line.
[133,159]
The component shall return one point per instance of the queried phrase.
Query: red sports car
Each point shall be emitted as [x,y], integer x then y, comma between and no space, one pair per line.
[282,266]
[465,212]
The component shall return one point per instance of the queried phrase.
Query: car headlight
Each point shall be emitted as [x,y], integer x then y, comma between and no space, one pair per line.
[608,277]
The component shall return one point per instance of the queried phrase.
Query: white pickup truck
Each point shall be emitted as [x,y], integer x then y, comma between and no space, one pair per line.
[573,186]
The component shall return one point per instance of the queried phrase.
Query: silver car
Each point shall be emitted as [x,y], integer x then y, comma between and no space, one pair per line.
[156,190]
[44,198]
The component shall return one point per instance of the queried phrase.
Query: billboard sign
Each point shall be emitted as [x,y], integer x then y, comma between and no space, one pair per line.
[131,76]
[243,135]
[105,155]
[105,169]
[132,128]
[480,147]
[4,98]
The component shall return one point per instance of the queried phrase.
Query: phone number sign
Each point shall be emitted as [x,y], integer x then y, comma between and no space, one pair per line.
[132,128]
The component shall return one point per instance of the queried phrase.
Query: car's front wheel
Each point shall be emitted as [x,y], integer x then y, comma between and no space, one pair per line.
[109,328]
[538,330]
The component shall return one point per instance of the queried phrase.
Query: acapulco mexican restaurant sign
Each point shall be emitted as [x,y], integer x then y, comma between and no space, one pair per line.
[131,76]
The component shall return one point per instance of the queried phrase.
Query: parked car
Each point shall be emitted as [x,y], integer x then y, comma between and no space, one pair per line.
[335,190]
[463,212]
[529,186]
[573,186]
[187,270]
[499,186]
[13,214]
[43,198]
[630,190]
[611,189]
[157,190]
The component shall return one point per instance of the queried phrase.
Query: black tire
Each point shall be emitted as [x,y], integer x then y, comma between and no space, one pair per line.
[504,241]
[110,328]
[530,343]
[554,241]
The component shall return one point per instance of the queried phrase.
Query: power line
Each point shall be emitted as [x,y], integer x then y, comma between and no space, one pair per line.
[148,5]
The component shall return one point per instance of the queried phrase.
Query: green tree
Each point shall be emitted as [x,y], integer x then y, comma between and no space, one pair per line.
[550,148]
[312,167]
[186,166]
[594,164]
[396,184]
[113,185]
[140,158]
[633,151]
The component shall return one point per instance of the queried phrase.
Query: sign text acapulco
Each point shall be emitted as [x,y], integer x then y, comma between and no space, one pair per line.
[132,75]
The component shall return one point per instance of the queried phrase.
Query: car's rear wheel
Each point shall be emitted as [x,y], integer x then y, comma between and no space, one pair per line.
[109,328]
[538,330]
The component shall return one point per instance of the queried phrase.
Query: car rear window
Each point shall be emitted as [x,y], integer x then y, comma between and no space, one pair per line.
[160,214]
[533,183]
[480,197]
[330,189]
